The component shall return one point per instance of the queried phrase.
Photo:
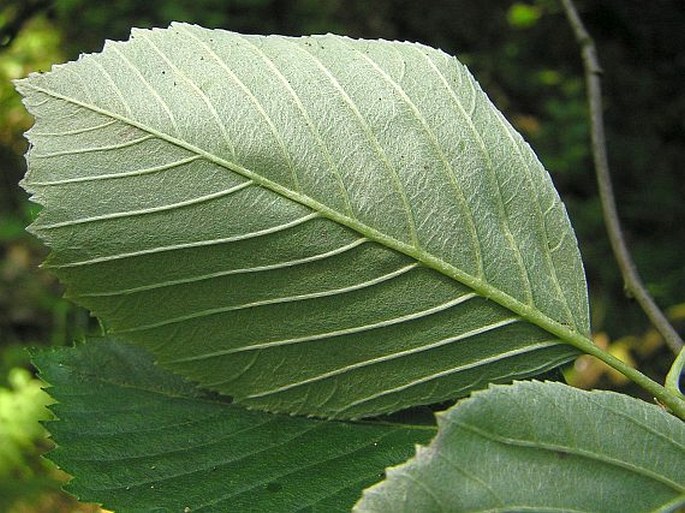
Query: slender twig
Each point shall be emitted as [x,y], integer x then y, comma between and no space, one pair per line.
[631,278]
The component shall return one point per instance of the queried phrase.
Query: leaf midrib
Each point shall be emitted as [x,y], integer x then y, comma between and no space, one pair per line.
[527,312]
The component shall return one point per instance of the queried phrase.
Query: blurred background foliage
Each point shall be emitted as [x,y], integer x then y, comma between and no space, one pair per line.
[525,57]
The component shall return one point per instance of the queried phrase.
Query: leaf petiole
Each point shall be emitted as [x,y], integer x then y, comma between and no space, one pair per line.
[668,396]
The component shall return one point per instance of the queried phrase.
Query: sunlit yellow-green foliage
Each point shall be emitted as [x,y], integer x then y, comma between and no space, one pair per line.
[22,406]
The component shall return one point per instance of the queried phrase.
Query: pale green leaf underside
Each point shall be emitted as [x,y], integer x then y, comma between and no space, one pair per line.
[139,439]
[314,225]
[542,447]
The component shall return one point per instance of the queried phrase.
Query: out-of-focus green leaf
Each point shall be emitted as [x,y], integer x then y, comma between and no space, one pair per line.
[522,15]
[35,48]
[543,447]
[140,439]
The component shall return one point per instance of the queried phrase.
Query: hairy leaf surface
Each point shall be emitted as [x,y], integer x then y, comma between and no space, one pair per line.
[140,439]
[542,447]
[315,225]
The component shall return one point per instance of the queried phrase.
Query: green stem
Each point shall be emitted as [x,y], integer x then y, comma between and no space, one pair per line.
[673,376]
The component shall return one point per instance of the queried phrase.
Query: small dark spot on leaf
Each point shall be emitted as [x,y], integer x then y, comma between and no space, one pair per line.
[274,487]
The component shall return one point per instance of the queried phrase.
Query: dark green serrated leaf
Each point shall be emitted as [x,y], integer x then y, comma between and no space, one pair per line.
[542,447]
[312,225]
[140,439]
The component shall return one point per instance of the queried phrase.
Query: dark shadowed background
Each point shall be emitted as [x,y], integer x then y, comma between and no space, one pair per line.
[526,59]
